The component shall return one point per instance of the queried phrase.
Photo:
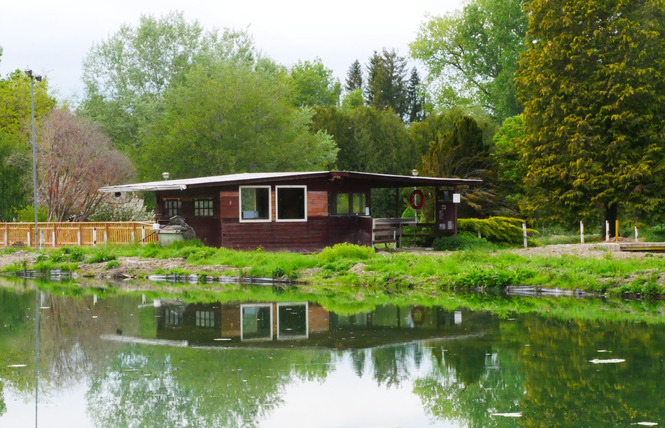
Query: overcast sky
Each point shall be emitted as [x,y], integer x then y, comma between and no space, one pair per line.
[52,37]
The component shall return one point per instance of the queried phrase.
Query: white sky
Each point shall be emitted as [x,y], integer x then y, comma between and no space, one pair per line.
[53,36]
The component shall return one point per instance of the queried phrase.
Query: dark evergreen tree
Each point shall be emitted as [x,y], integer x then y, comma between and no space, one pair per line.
[354,77]
[414,98]
[386,84]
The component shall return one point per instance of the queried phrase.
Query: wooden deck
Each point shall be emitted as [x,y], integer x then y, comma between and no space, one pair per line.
[646,247]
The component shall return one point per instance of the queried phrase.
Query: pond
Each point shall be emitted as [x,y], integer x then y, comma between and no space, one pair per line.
[281,359]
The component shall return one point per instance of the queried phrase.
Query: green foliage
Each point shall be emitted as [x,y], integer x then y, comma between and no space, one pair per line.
[386,83]
[101,254]
[472,55]
[27,214]
[369,139]
[15,136]
[345,251]
[314,84]
[112,264]
[462,241]
[462,152]
[126,75]
[354,78]
[229,119]
[483,277]
[593,90]
[496,229]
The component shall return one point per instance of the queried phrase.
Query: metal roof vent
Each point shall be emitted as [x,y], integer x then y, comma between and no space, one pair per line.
[165,175]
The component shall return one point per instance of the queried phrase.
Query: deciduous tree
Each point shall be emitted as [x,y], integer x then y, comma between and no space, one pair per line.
[75,159]
[314,84]
[230,118]
[472,55]
[593,87]
[126,75]
[15,135]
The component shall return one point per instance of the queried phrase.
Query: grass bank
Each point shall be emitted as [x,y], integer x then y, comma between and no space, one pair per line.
[360,269]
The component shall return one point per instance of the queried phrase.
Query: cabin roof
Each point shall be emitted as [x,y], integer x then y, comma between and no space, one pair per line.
[376,180]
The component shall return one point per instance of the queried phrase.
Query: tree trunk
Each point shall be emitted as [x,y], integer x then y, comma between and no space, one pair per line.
[611,212]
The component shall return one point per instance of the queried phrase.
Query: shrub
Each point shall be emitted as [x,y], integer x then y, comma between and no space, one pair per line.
[103,254]
[346,251]
[461,241]
[496,229]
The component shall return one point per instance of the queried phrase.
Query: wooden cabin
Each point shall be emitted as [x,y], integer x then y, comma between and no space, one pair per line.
[295,211]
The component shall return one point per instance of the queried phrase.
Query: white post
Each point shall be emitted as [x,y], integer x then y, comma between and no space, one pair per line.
[524,232]
[131,236]
[78,237]
[94,236]
[28,239]
[581,232]
[41,239]
[6,239]
[635,233]
[106,238]
[142,235]
[53,238]
[607,230]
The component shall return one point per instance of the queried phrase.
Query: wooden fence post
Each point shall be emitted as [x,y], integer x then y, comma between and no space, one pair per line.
[635,233]
[581,232]
[524,233]
[142,235]
[607,230]
[53,237]
[55,233]
[41,239]
[94,236]
[6,235]
[616,231]
[106,233]
[29,238]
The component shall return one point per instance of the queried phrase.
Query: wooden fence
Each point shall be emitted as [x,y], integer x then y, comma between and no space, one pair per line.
[55,235]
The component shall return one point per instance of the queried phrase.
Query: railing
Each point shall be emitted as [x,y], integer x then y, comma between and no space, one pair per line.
[400,231]
[55,235]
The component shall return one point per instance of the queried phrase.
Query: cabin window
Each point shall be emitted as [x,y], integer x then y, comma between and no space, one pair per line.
[203,207]
[347,204]
[292,320]
[205,319]
[255,203]
[173,318]
[172,207]
[291,203]
[256,322]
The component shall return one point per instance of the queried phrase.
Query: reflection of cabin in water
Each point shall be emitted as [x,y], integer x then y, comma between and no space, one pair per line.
[302,211]
[307,324]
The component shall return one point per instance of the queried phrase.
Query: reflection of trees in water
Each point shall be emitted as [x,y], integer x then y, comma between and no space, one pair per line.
[564,388]
[156,386]
[468,380]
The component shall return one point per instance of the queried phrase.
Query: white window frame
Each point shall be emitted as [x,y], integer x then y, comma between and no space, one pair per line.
[242,329]
[306,336]
[289,220]
[251,220]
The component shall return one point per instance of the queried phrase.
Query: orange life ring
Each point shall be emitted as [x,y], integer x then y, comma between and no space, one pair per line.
[416,205]
[418,315]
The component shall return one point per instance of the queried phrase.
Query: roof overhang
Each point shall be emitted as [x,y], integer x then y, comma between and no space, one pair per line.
[375,181]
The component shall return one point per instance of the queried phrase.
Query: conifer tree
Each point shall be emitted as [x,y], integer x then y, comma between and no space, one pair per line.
[354,77]
[592,83]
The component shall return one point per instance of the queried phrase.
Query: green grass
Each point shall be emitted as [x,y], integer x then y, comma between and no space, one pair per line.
[362,270]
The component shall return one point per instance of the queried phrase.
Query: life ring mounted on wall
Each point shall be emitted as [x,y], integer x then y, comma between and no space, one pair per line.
[418,315]
[417,199]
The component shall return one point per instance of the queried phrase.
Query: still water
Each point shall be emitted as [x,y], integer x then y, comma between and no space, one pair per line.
[142,360]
